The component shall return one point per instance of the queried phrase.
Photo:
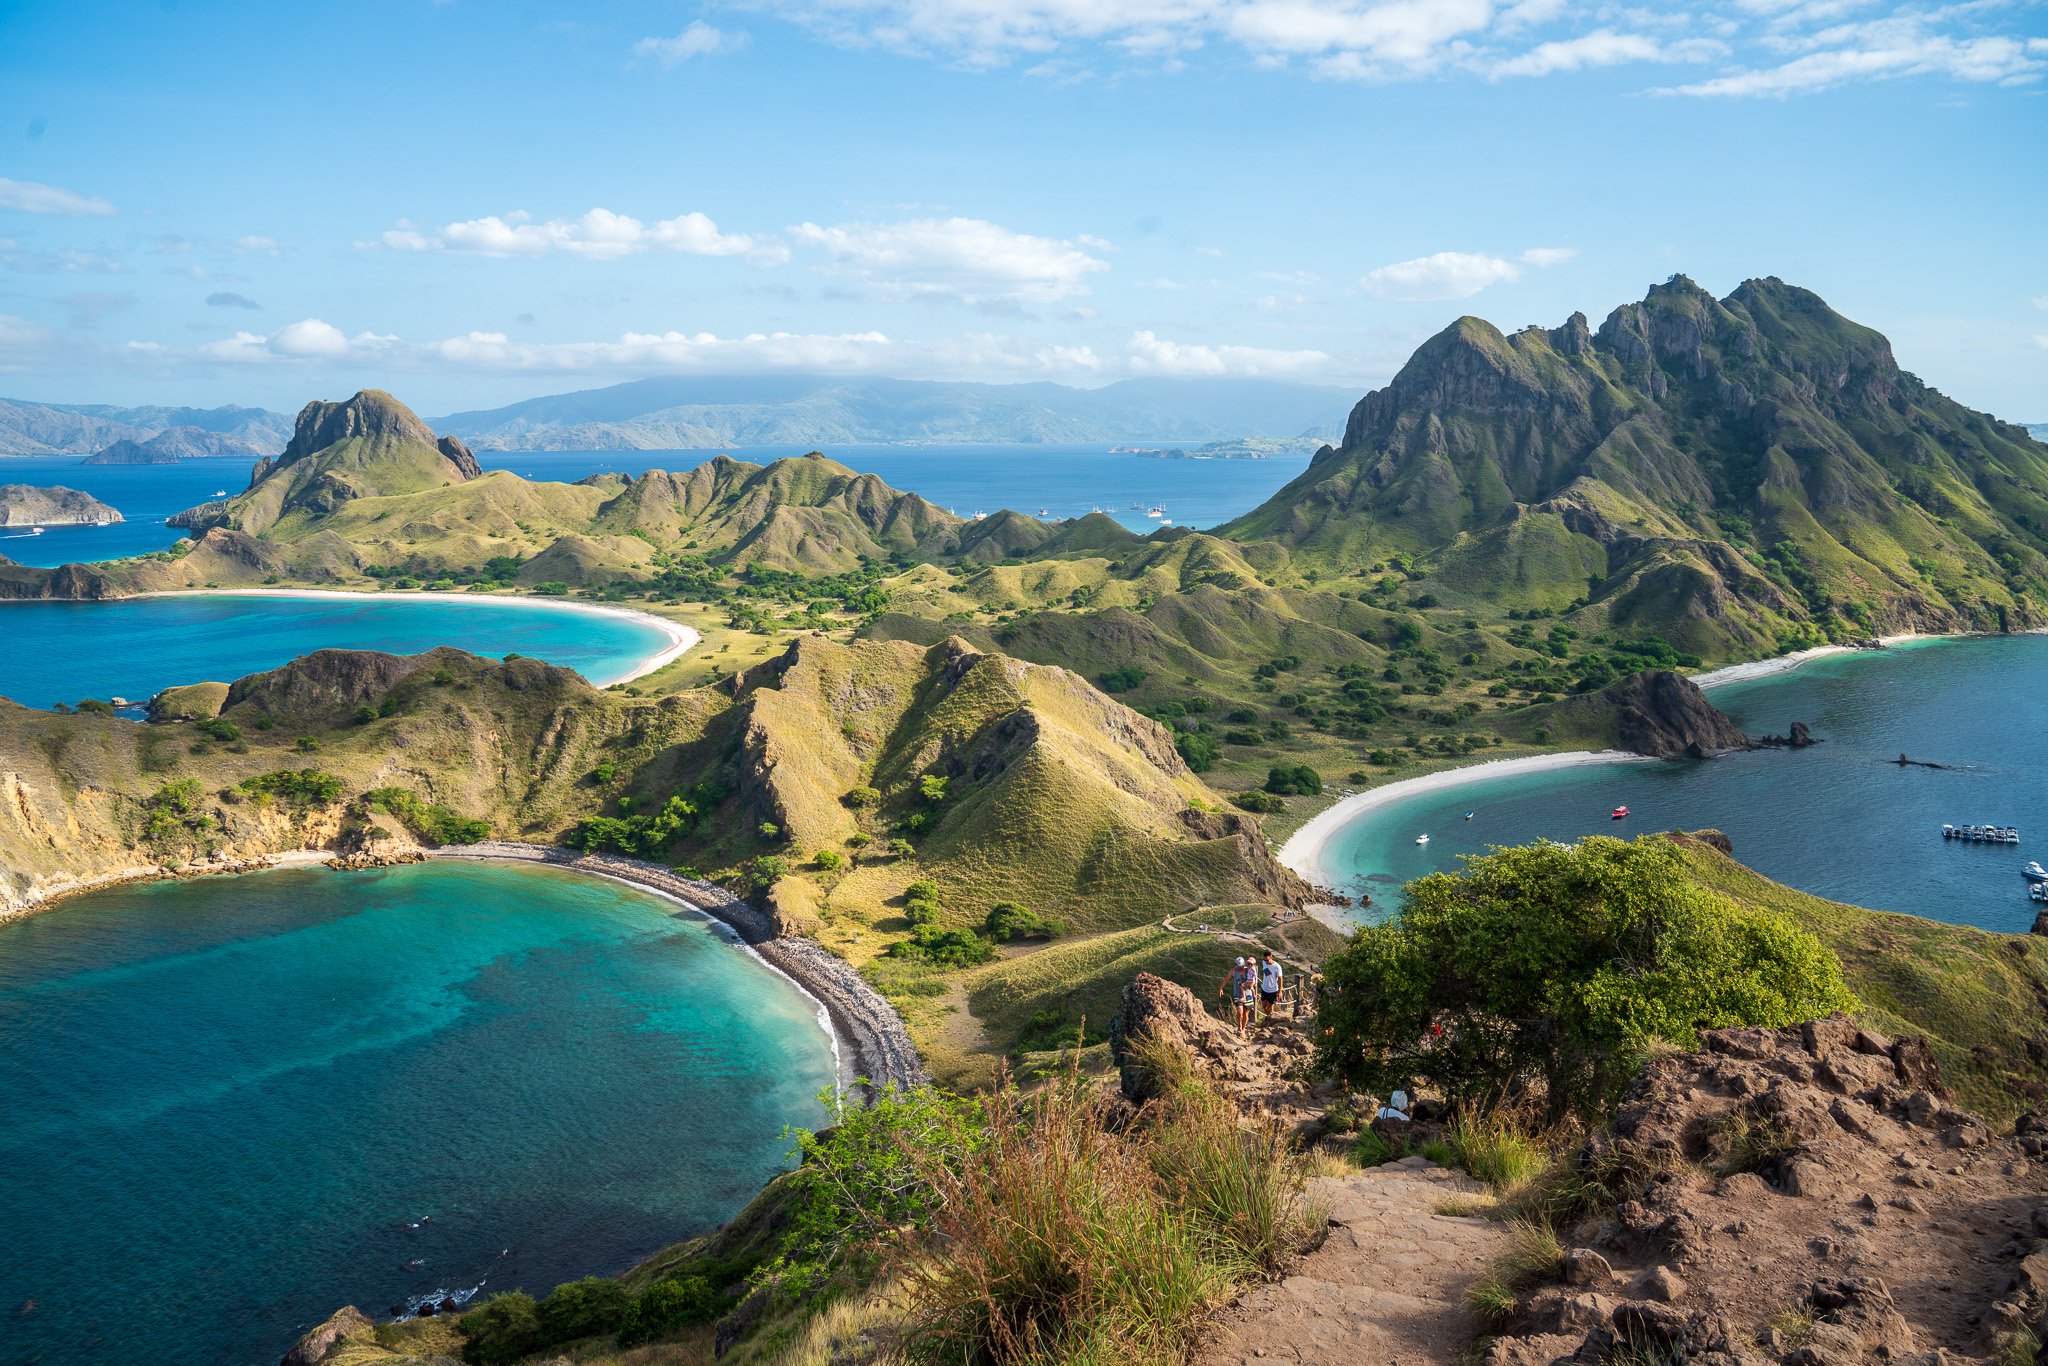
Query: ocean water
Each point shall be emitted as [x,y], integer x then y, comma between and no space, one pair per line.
[1067,481]
[234,1105]
[1841,820]
[64,651]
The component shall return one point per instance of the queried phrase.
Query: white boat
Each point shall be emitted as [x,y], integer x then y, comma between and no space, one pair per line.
[220,493]
[978,515]
[1044,513]
[1422,839]
[1155,512]
[35,531]
[2039,891]
[2034,872]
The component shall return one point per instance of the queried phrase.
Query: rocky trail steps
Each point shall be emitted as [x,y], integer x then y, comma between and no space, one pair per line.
[1387,1285]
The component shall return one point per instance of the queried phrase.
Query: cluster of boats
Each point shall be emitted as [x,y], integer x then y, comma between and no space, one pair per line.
[1982,834]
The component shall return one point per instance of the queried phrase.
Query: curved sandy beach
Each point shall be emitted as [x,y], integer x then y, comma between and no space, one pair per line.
[1764,668]
[1304,850]
[680,638]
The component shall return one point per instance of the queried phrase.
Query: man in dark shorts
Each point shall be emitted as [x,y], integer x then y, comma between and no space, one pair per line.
[1269,986]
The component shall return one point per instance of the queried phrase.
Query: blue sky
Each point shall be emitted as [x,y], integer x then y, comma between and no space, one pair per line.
[469,203]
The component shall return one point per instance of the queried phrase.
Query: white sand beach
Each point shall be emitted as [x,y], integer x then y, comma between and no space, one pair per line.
[678,638]
[1303,851]
[1763,668]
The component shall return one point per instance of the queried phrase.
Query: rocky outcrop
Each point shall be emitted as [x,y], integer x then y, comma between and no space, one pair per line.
[28,505]
[1803,1195]
[1660,714]
[1261,1073]
[330,1338]
[1798,737]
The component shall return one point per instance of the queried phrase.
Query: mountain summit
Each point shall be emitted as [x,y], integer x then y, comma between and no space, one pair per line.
[1731,472]
[371,446]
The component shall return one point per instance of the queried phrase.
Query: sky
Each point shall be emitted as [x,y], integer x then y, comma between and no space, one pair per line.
[470,203]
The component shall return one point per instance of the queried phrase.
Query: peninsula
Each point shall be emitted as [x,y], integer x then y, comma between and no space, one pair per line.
[28,505]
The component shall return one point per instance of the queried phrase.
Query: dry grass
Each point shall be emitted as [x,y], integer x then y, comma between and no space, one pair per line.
[1534,1257]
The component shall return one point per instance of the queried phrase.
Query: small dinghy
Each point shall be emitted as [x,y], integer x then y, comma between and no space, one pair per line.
[1620,813]
[1422,839]
[2039,891]
[2034,872]
[1468,815]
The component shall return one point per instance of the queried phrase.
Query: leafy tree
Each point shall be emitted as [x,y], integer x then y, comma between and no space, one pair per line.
[502,1330]
[1299,781]
[1564,964]
[932,787]
[1122,680]
[1198,749]
[299,787]
[831,860]
[582,1309]
[863,797]
[944,948]
[900,849]
[668,1307]
[1255,800]
[1007,920]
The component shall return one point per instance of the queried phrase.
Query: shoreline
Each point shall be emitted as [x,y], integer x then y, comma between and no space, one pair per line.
[680,639]
[1778,664]
[871,1045]
[1303,852]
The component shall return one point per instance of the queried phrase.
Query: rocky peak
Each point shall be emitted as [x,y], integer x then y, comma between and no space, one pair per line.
[372,413]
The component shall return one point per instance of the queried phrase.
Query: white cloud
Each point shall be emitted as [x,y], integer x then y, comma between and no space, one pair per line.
[599,235]
[1456,274]
[255,245]
[1603,47]
[698,40]
[2041,302]
[30,197]
[1900,45]
[964,260]
[20,333]
[1150,354]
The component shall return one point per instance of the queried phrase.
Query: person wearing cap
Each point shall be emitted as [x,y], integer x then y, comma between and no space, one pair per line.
[1269,975]
[1234,990]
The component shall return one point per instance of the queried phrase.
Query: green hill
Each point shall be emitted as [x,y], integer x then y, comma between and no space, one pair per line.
[1727,473]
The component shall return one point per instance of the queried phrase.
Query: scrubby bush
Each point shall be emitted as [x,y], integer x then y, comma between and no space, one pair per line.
[830,860]
[944,948]
[1122,680]
[1299,781]
[435,824]
[501,1330]
[221,729]
[1007,920]
[1255,800]
[583,1309]
[863,797]
[1563,963]
[667,1307]
[299,787]
[932,787]
[900,848]
[1199,750]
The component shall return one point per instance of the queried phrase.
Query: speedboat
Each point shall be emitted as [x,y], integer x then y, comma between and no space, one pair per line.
[1468,815]
[2034,872]
[1422,839]
[2039,891]
[35,531]
[220,493]
[1620,813]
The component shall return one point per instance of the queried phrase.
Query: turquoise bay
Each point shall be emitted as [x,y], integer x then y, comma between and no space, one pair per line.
[64,651]
[1841,820]
[236,1104]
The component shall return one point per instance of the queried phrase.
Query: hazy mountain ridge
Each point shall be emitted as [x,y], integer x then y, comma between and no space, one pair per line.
[29,429]
[673,413]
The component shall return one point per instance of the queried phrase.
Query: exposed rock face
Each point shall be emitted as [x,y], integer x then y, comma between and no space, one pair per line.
[1796,738]
[1258,1072]
[329,681]
[330,1337]
[1817,1176]
[27,505]
[1663,715]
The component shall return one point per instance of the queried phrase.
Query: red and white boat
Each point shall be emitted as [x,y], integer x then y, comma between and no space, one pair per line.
[1620,814]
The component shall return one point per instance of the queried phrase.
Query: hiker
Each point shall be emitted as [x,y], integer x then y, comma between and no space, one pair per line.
[1269,986]
[1233,990]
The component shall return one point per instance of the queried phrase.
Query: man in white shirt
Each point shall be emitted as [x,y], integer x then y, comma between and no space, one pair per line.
[1269,986]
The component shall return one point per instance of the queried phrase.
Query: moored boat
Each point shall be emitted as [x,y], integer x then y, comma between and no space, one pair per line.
[1620,813]
[2034,872]
[1422,839]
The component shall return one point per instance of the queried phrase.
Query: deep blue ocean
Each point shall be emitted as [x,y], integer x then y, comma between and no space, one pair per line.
[1065,481]
[233,1105]
[1842,819]
[65,651]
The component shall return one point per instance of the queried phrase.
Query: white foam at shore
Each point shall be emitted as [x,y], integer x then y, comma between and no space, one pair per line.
[1304,850]
[678,637]
[1764,668]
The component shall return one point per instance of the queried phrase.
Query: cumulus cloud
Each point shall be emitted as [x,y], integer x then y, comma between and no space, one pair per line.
[227,298]
[1147,353]
[698,40]
[256,245]
[963,260]
[29,197]
[599,235]
[1603,47]
[1455,274]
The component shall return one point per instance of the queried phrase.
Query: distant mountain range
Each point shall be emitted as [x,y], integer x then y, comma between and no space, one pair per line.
[710,413]
[155,432]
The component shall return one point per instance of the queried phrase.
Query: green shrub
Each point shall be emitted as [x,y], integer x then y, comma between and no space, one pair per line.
[1565,963]
[831,860]
[900,849]
[1047,1030]
[863,797]
[932,787]
[1255,800]
[1299,781]
[1200,751]
[944,948]
[1007,920]
[221,729]
[299,787]
[502,1330]
[1122,680]
[583,1309]
[667,1307]
[921,911]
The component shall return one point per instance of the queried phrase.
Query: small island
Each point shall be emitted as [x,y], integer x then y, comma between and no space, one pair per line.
[125,452]
[27,505]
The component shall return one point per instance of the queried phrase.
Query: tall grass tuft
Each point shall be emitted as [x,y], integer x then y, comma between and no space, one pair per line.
[1059,1241]
[1534,1257]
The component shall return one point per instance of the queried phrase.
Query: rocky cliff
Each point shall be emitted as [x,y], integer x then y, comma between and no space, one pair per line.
[1656,713]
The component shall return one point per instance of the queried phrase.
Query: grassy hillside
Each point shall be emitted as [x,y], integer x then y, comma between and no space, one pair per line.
[1978,997]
